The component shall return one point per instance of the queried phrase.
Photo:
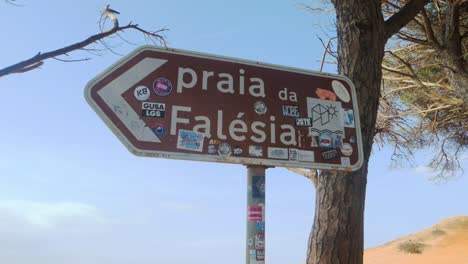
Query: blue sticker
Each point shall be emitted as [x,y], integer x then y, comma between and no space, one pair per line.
[348,117]
[190,140]
[337,141]
[159,129]
[260,226]
[258,187]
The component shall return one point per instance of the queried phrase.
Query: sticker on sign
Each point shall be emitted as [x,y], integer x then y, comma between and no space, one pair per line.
[261,114]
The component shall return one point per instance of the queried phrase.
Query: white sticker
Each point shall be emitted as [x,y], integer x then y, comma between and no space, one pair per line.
[150,109]
[340,91]
[306,155]
[255,151]
[153,106]
[278,153]
[293,153]
[224,149]
[142,93]
[347,149]
[326,115]
[345,161]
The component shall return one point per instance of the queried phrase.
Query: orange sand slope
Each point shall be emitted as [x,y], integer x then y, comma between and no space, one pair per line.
[443,243]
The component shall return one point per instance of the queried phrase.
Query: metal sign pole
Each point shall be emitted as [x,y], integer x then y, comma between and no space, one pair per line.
[255,246]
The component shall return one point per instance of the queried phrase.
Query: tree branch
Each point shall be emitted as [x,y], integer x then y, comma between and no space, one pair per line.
[403,17]
[429,31]
[29,67]
[396,71]
[311,174]
[407,37]
[37,60]
[453,22]
[408,66]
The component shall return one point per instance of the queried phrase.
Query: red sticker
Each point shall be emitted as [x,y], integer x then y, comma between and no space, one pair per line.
[255,213]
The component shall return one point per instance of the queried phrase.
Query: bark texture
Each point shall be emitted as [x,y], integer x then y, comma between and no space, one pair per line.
[452,49]
[337,235]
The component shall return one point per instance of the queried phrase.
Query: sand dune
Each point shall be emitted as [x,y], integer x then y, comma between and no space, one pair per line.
[443,243]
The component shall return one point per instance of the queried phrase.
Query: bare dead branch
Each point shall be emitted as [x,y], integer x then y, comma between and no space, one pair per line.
[38,60]
[109,48]
[76,60]
[327,50]
[125,40]
[315,9]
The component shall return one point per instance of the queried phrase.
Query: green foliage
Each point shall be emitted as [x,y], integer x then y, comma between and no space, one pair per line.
[423,96]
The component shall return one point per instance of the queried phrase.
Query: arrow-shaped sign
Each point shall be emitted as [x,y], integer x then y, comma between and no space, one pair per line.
[228,110]
[112,96]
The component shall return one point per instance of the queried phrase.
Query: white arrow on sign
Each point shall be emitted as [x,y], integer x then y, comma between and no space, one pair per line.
[112,96]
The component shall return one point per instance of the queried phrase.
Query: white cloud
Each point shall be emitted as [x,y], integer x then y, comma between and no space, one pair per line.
[419,170]
[48,214]
[176,205]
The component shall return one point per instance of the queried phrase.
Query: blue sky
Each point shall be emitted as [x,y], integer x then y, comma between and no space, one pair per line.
[70,192]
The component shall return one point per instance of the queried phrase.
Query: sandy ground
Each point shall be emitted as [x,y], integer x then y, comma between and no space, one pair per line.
[444,243]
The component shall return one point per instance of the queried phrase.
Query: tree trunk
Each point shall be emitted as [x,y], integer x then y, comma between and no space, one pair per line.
[337,235]
[453,51]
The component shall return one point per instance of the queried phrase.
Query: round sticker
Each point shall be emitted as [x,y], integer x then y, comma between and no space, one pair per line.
[340,91]
[237,151]
[260,107]
[212,149]
[159,129]
[224,149]
[346,149]
[142,93]
[162,86]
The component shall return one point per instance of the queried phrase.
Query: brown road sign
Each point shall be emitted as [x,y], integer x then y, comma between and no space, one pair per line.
[185,105]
